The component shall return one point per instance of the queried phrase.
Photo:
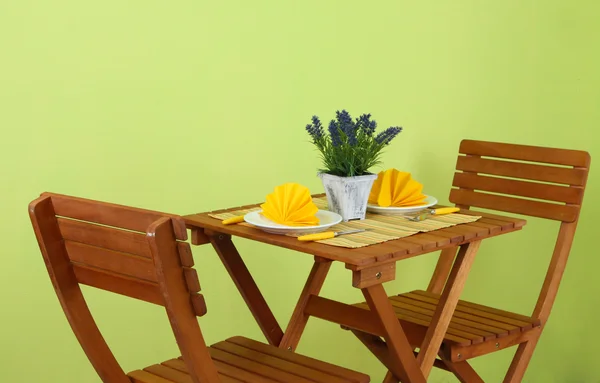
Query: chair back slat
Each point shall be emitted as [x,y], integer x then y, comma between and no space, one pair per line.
[549,192]
[191,279]
[125,264]
[567,157]
[543,173]
[119,284]
[185,254]
[110,214]
[550,185]
[106,237]
[515,205]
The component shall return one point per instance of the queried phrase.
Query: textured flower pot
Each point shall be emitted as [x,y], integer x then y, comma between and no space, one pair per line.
[348,196]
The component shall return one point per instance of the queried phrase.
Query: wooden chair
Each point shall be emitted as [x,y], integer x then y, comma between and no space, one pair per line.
[141,254]
[528,180]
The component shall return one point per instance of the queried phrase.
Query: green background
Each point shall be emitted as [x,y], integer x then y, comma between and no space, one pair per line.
[186,106]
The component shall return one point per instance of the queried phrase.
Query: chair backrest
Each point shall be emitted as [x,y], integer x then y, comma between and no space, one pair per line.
[133,252]
[530,180]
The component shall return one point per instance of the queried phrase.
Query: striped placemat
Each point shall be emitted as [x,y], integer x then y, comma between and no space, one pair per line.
[381,227]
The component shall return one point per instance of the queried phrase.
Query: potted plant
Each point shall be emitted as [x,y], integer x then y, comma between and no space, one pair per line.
[348,150]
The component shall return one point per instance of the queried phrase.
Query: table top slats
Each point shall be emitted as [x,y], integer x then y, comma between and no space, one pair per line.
[439,240]
[487,226]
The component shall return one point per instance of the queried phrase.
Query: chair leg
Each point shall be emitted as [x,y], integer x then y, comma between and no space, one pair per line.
[390,378]
[378,348]
[442,316]
[442,270]
[463,372]
[520,361]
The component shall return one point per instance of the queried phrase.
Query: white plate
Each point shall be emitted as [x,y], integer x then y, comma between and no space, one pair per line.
[429,201]
[326,220]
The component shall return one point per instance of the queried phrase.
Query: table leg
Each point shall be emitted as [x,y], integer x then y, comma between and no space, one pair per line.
[247,287]
[400,349]
[442,269]
[299,318]
[446,306]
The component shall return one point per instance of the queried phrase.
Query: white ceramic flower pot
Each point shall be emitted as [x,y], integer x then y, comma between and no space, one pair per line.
[348,196]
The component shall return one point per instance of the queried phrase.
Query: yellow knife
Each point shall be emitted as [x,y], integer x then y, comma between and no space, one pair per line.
[327,235]
[229,221]
[423,215]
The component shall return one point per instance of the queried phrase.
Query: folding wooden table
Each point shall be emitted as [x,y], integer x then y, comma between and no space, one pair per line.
[371,266]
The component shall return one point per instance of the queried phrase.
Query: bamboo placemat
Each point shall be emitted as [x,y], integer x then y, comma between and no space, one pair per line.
[382,227]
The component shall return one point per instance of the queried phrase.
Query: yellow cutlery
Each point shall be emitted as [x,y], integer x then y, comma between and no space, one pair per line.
[423,215]
[327,235]
[229,221]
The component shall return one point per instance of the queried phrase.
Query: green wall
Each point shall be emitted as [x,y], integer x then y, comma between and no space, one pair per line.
[186,106]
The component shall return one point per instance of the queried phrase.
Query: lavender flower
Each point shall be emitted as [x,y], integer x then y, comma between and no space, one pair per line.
[388,135]
[366,125]
[334,133]
[315,129]
[347,126]
[317,122]
[349,147]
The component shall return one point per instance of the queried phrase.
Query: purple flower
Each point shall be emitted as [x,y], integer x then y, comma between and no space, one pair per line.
[388,135]
[347,126]
[366,125]
[315,129]
[334,132]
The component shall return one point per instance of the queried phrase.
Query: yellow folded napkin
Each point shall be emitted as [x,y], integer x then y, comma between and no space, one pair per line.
[397,189]
[290,204]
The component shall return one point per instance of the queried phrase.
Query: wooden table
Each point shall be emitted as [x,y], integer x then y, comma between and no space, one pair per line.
[371,266]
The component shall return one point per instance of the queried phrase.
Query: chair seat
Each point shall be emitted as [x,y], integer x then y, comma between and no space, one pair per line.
[240,359]
[471,323]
